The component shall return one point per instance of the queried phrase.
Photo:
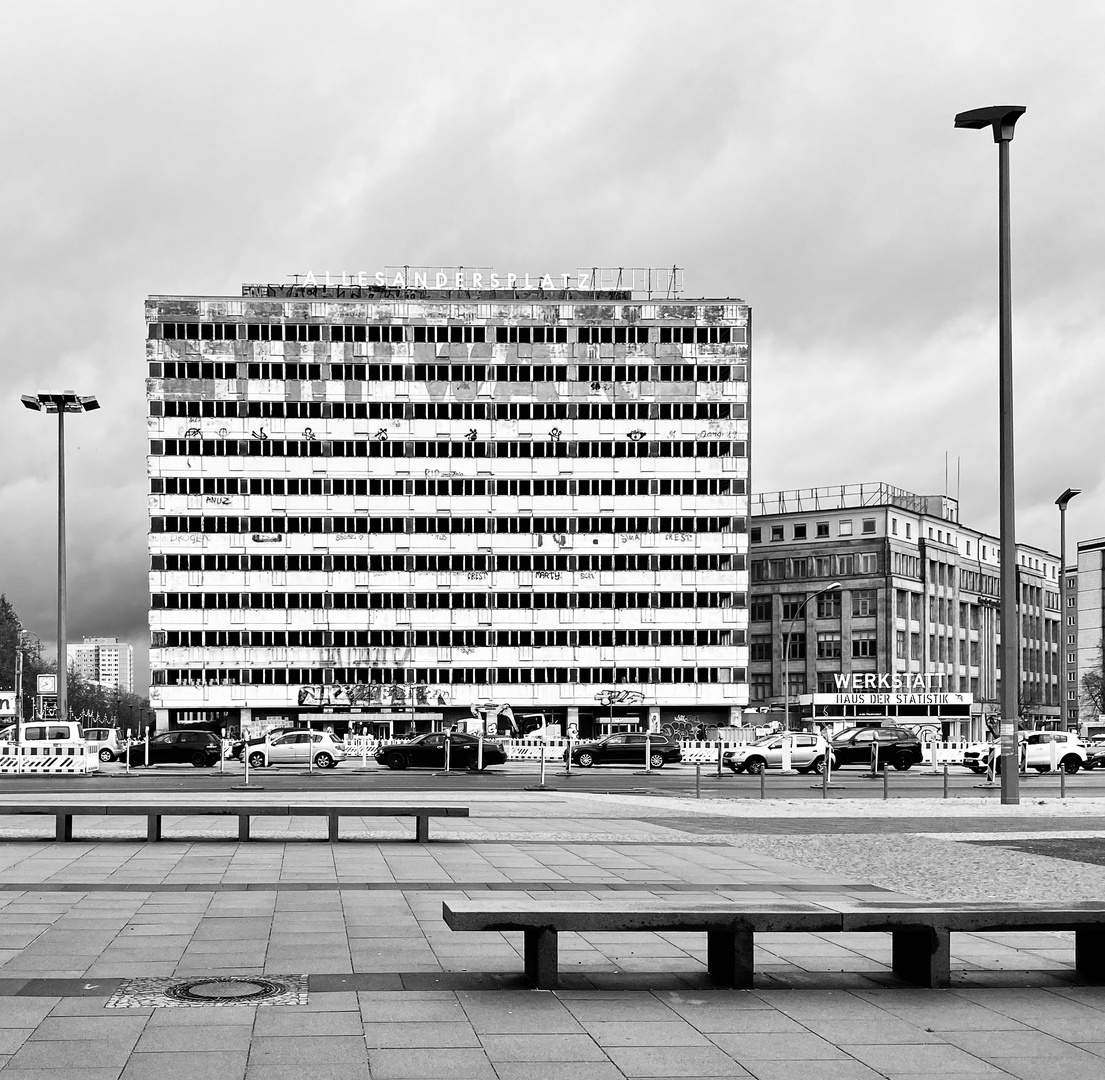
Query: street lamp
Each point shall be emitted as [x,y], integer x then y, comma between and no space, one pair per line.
[1061,502]
[834,587]
[1001,119]
[65,402]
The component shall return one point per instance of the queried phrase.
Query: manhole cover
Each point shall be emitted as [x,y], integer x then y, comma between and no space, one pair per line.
[211,990]
[229,989]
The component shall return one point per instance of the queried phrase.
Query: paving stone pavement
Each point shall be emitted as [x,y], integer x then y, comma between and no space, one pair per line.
[393,993]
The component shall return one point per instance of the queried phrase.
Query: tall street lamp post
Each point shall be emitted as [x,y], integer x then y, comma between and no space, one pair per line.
[65,402]
[1001,119]
[1064,688]
[834,587]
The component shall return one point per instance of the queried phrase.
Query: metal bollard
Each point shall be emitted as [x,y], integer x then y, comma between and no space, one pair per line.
[719,752]
[245,758]
[885,784]
[147,748]
[222,751]
[542,762]
[1062,783]
[648,752]
[763,783]
[448,743]
[945,780]
[825,782]
[698,780]
[479,754]
[364,753]
[568,758]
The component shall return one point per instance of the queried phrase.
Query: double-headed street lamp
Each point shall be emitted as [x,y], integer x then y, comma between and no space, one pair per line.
[65,402]
[1061,502]
[834,587]
[1001,119]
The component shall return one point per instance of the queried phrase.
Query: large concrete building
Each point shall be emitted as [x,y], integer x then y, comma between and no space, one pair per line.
[392,501]
[1086,622]
[106,661]
[918,599]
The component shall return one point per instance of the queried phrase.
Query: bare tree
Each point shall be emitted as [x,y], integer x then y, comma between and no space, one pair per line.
[1093,685]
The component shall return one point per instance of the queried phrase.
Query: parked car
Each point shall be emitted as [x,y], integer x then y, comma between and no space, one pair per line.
[1035,751]
[428,751]
[896,747]
[44,731]
[299,747]
[627,748]
[238,746]
[807,754]
[107,740]
[198,748]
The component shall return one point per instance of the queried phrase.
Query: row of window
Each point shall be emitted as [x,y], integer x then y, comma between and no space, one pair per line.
[449,564]
[444,676]
[446,601]
[382,447]
[816,566]
[454,410]
[524,373]
[458,334]
[829,645]
[398,485]
[798,531]
[442,639]
[446,524]
[863,603]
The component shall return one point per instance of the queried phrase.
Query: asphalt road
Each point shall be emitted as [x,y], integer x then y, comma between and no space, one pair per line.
[672,780]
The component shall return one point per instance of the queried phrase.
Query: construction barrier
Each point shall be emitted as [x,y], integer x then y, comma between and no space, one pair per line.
[64,758]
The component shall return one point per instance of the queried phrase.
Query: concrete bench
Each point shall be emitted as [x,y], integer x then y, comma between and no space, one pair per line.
[154,812]
[921,933]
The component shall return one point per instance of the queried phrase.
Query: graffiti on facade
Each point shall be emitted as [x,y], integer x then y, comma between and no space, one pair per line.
[393,695]
[619,697]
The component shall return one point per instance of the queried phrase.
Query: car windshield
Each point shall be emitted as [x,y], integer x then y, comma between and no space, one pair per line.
[847,734]
[764,740]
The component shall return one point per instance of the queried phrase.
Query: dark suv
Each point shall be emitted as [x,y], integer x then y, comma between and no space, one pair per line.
[896,747]
[627,749]
[199,748]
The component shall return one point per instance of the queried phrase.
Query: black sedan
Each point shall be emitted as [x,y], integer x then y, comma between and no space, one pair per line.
[627,749]
[896,746]
[428,751]
[198,748]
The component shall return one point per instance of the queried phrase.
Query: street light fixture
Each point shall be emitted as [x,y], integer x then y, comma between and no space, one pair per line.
[834,587]
[65,402]
[1061,502]
[1001,119]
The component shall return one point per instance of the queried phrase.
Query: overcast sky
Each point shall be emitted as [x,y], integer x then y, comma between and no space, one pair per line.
[798,155]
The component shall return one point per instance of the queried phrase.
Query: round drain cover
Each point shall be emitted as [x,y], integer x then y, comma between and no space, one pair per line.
[228,989]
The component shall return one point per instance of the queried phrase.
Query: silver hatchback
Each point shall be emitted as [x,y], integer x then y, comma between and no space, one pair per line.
[807,754]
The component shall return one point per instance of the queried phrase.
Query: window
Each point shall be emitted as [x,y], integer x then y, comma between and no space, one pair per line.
[908,530]
[826,682]
[759,686]
[754,534]
[792,605]
[864,643]
[760,610]
[760,647]
[844,528]
[915,646]
[796,647]
[901,601]
[863,602]
[822,528]
[899,644]
[828,605]
[776,532]
[799,532]
[828,645]
[894,526]
[868,525]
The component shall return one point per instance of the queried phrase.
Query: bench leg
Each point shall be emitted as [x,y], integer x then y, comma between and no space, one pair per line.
[243,827]
[542,958]
[422,829]
[1089,953]
[333,830]
[153,827]
[923,957]
[729,957]
[63,827]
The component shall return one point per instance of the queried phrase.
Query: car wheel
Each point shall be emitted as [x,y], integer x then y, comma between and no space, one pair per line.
[324,761]
[395,761]
[257,760]
[472,763]
[755,765]
[106,755]
[818,765]
[586,759]
[903,762]
[656,761]
[198,760]
[1071,764]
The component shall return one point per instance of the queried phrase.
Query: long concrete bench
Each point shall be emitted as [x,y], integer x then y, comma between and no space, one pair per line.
[921,933]
[154,812]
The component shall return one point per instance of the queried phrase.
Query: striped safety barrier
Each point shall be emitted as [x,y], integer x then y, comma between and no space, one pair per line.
[65,758]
